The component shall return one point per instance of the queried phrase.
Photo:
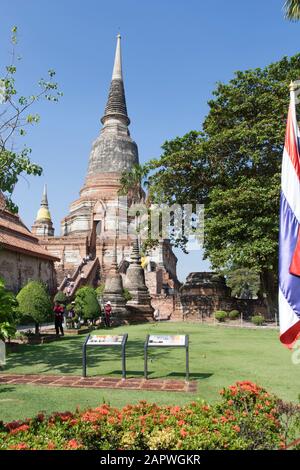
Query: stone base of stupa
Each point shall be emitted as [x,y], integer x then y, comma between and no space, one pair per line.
[138,313]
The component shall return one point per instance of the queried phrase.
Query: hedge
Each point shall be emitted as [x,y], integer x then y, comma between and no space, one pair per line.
[247,417]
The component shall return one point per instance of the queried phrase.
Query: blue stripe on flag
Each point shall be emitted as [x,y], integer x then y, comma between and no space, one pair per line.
[289,284]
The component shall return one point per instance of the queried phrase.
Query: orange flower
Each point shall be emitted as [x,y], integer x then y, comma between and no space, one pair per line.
[22,428]
[20,446]
[174,410]
[183,433]
[73,444]
[181,422]
[50,445]
[236,428]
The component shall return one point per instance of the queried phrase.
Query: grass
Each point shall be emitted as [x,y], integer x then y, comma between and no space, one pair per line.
[218,357]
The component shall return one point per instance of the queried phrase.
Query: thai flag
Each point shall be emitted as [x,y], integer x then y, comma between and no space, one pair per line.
[289,238]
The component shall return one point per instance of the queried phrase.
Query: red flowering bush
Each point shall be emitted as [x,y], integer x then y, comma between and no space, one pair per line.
[246,418]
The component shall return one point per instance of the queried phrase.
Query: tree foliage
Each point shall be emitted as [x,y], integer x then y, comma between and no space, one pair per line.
[61,298]
[34,301]
[243,282]
[15,118]
[292,9]
[8,316]
[233,166]
[86,303]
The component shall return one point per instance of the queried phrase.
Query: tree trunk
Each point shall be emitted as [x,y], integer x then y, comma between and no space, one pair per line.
[269,288]
[37,329]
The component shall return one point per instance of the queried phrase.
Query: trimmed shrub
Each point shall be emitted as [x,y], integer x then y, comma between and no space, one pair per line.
[220,315]
[234,314]
[126,294]
[257,320]
[86,303]
[61,298]
[247,418]
[34,301]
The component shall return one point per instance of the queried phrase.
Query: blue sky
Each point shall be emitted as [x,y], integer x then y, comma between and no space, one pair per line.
[174,52]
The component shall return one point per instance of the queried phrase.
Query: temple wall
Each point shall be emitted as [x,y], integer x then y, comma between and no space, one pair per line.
[17,269]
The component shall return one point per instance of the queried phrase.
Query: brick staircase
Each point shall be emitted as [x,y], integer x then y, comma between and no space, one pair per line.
[85,274]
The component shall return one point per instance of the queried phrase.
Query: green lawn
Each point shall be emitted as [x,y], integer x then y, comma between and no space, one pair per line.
[218,357]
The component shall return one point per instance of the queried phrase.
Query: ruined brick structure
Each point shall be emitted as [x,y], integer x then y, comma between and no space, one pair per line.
[203,293]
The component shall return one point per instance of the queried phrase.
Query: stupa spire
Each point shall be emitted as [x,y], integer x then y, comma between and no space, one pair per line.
[117,70]
[43,212]
[43,224]
[116,104]
[44,201]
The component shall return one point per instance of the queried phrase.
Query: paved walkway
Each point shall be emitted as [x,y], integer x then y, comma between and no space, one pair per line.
[100,382]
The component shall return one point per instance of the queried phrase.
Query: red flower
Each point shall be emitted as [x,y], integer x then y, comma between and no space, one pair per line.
[181,422]
[20,446]
[73,444]
[22,428]
[183,433]
[236,428]
[13,425]
[174,410]
[50,445]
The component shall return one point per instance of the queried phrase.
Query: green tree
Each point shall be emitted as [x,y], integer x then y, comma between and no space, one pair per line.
[233,166]
[292,9]
[61,298]
[34,301]
[15,117]
[243,282]
[86,303]
[132,182]
[8,316]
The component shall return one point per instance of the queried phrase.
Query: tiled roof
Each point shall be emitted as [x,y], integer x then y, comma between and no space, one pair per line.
[15,236]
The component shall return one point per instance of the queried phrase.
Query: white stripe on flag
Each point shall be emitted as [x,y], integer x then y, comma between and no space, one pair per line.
[287,316]
[290,185]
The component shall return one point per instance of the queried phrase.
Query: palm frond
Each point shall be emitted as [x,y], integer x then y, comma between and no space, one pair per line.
[292,10]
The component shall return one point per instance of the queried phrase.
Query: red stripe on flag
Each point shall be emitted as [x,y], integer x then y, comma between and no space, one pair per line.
[291,143]
[295,264]
[290,336]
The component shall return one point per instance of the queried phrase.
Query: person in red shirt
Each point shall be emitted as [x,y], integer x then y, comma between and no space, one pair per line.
[107,313]
[58,319]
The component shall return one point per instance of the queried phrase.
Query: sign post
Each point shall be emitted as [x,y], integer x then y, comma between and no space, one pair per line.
[167,341]
[105,340]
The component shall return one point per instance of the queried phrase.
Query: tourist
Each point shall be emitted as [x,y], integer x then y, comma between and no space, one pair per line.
[156,314]
[107,313]
[71,315]
[58,318]
[69,289]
